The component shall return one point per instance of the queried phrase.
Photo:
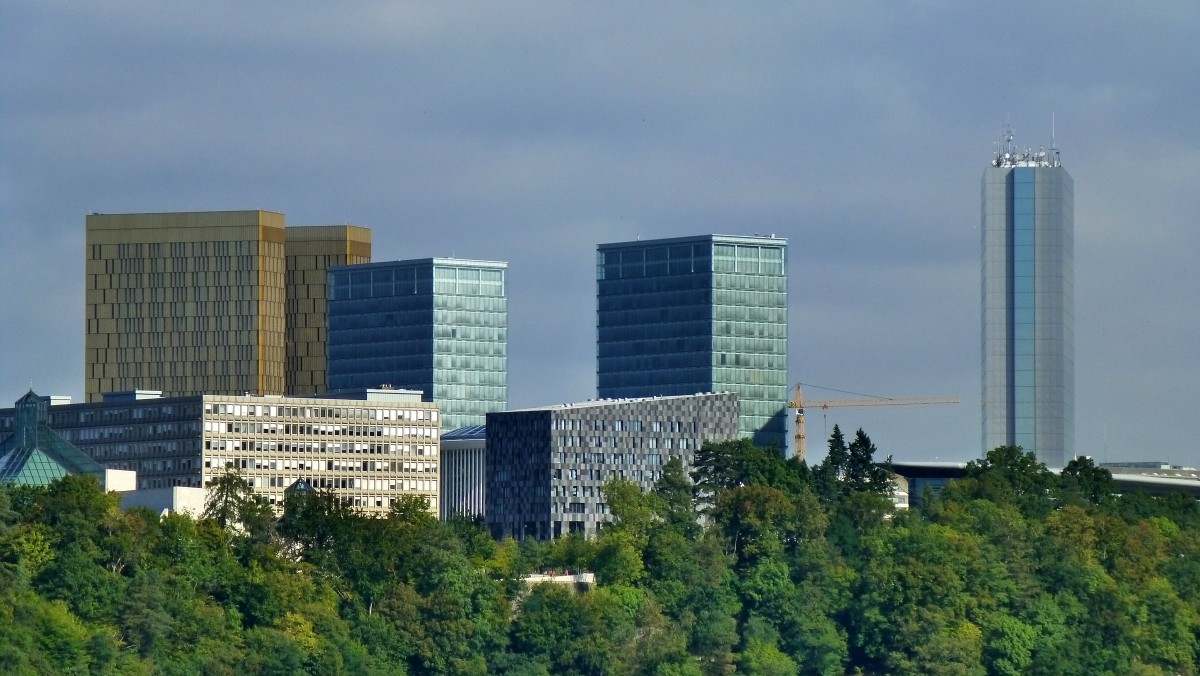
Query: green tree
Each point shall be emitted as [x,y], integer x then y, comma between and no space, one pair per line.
[232,503]
[863,474]
[761,655]
[1008,474]
[828,475]
[676,501]
[850,469]
[728,465]
[1082,481]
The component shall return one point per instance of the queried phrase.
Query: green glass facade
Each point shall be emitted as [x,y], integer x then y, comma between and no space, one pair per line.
[438,325]
[697,314]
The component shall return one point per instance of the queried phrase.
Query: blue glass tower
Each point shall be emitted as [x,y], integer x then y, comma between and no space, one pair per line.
[1028,304]
[439,325]
[697,314]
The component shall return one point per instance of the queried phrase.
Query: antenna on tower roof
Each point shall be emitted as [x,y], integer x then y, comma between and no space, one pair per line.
[1053,144]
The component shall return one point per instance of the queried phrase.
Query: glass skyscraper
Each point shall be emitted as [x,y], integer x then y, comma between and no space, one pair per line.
[438,325]
[1028,304]
[697,314]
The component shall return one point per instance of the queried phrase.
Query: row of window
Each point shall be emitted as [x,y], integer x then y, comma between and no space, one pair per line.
[222,317]
[601,425]
[88,435]
[310,430]
[594,457]
[313,447]
[273,464]
[599,476]
[334,412]
[668,443]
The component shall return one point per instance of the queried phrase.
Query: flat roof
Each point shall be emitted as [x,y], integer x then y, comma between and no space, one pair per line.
[422,262]
[1155,485]
[723,239]
[594,403]
[468,432]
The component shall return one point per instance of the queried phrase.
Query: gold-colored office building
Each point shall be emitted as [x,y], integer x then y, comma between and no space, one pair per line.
[310,251]
[223,302]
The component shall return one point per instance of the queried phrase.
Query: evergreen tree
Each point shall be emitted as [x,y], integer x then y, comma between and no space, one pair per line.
[863,474]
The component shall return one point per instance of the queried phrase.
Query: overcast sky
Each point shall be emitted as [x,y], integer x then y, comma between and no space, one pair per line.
[530,132]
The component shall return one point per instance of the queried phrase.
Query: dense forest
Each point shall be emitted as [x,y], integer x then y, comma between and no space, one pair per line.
[751,564]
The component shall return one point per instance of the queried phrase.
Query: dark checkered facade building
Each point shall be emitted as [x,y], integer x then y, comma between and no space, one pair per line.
[546,467]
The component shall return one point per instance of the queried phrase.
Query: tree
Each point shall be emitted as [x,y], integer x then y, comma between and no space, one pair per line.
[729,464]
[1082,480]
[233,503]
[852,469]
[676,501]
[832,470]
[1007,474]
[863,474]
[632,510]
[761,655]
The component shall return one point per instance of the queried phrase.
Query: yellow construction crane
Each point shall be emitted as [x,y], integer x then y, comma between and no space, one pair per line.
[799,404]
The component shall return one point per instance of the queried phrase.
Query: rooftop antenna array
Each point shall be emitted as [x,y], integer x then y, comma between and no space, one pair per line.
[1008,155]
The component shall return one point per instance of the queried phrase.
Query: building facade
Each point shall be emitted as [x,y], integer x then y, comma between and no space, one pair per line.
[464,472]
[310,251]
[438,325]
[697,314]
[369,451]
[202,302]
[546,467]
[1028,358]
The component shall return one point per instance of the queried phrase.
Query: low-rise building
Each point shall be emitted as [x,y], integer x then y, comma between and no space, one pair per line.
[464,471]
[368,450]
[546,467]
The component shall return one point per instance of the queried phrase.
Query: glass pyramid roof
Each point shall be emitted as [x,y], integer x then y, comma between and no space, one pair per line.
[34,454]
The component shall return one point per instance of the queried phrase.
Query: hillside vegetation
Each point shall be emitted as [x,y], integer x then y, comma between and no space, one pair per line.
[790,569]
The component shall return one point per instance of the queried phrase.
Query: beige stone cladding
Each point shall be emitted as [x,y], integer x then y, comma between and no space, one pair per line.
[367,452]
[185,303]
[310,252]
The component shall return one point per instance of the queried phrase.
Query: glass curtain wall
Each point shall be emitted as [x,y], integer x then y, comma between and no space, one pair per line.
[750,335]
[435,325]
[698,314]
[1027,298]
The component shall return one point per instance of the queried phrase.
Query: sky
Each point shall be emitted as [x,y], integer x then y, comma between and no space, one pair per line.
[529,132]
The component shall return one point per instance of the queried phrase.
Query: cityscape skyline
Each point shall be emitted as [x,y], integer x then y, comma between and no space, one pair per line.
[855,133]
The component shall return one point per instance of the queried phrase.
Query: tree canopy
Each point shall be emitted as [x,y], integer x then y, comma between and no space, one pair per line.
[745,562]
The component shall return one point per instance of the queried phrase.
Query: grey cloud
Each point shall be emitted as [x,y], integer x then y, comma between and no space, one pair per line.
[529,132]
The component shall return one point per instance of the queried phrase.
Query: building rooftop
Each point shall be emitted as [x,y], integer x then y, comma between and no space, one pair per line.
[1009,155]
[1126,481]
[724,239]
[468,432]
[591,403]
[377,265]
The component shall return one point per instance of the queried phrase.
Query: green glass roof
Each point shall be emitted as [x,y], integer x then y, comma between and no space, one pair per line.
[30,467]
[34,454]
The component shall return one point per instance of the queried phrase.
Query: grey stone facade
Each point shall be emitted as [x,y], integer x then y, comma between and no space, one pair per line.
[546,467]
